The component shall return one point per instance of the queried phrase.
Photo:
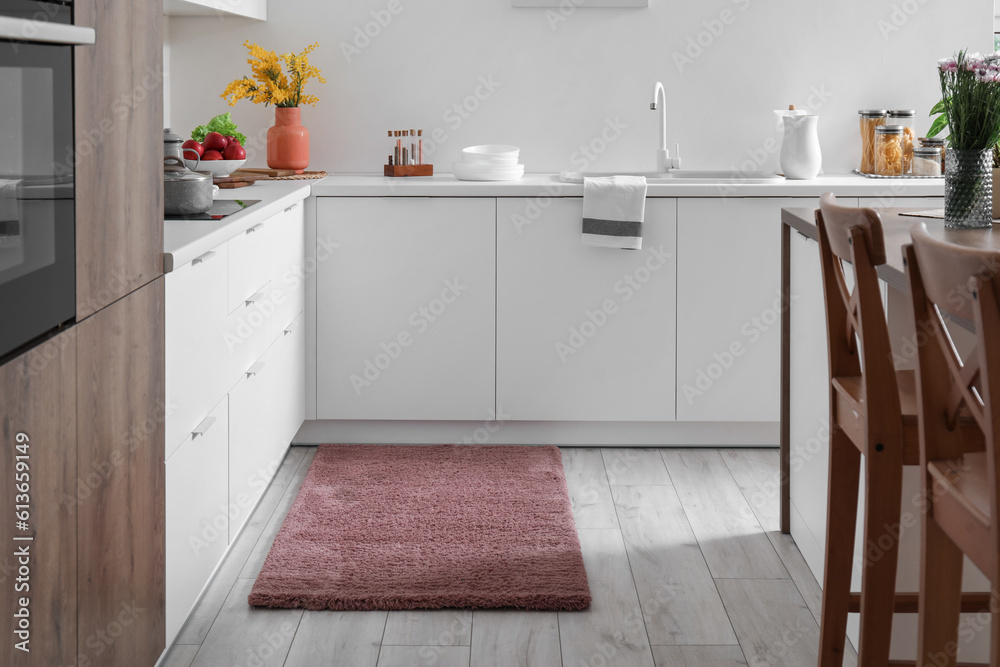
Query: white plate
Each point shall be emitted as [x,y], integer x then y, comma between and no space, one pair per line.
[490,150]
[484,172]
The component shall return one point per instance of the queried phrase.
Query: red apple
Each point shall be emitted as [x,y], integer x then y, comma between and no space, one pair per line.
[230,139]
[215,142]
[189,147]
[235,152]
[211,155]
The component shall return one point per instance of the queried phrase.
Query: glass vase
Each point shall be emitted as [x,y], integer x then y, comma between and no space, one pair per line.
[968,188]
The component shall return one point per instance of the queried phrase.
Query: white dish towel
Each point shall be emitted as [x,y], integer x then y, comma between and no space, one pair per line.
[613,211]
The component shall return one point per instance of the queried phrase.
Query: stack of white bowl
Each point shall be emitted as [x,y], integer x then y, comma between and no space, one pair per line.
[489,163]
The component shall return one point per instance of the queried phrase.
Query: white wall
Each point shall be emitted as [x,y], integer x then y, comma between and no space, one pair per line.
[562,78]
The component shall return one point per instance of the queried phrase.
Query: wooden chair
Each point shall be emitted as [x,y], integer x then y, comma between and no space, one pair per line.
[873,411]
[960,488]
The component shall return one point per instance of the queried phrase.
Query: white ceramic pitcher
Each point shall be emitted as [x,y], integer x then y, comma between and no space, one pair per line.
[800,153]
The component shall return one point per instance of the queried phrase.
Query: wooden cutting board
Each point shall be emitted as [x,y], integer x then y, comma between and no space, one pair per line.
[265,172]
[234,184]
[235,180]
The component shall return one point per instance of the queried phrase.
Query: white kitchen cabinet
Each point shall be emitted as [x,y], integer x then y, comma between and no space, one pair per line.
[235,361]
[197,521]
[254,9]
[584,333]
[729,308]
[406,308]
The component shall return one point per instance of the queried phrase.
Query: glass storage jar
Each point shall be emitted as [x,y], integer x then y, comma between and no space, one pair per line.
[889,150]
[926,161]
[870,119]
[904,118]
[936,143]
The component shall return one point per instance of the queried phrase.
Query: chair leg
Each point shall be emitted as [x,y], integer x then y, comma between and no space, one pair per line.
[841,519]
[994,628]
[940,596]
[883,496]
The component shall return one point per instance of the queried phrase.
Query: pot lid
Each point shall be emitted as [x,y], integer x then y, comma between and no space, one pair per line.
[174,170]
[171,137]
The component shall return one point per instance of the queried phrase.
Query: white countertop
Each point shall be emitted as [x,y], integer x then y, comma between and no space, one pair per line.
[184,240]
[533,185]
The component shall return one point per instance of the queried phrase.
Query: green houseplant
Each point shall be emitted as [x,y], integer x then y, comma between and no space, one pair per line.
[970,107]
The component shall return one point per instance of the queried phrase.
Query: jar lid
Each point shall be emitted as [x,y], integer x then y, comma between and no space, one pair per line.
[889,129]
[897,113]
[931,141]
[872,113]
[927,151]
[169,136]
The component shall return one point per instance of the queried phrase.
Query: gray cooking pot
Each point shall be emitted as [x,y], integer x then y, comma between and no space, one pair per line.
[185,192]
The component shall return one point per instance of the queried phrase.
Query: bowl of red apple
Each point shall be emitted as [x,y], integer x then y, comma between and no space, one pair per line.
[217,155]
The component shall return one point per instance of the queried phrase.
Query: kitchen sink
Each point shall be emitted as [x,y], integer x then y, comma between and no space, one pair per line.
[685,175]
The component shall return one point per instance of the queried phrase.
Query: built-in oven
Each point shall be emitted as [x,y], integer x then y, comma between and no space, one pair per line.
[37,158]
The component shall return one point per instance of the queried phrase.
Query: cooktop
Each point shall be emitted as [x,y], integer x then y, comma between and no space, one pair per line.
[220,209]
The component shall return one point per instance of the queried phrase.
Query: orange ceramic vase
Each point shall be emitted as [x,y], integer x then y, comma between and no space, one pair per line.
[288,141]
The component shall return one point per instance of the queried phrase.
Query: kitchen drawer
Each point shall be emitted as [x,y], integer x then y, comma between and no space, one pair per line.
[287,278]
[247,333]
[288,391]
[196,352]
[253,427]
[197,523]
[251,261]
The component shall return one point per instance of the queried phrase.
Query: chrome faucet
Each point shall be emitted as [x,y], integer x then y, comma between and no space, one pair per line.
[663,161]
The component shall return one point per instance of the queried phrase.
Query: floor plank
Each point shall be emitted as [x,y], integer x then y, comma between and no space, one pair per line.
[589,492]
[247,635]
[771,620]
[680,604]
[441,627]
[205,612]
[337,638]
[515,639]
[424,656]
[255,560]
[757,473]
[635,467]
[611,632]
[699,656]
[731,538]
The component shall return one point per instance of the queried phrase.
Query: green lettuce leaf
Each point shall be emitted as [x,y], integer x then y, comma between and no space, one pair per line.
[223,124]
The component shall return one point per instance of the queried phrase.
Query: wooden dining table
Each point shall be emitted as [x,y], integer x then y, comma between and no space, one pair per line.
[896,229]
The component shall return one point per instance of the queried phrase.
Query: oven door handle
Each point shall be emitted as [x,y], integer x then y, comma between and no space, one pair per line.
[26,30]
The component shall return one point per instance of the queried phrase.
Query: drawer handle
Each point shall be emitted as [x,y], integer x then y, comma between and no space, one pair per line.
[203,258]
[254,298]
[291,208]
[255,369]
[286,331]
[202,428]
[255,228]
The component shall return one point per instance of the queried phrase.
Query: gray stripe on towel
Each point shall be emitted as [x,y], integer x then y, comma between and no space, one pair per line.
[612,227]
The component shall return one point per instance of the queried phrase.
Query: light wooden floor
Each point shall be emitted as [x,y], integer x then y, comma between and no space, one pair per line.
[683,554]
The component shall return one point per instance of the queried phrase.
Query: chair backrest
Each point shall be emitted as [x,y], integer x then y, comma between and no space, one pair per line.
[855,235]
[947,280]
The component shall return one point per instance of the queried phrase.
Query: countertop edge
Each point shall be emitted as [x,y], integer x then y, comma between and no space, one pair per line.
[185,240]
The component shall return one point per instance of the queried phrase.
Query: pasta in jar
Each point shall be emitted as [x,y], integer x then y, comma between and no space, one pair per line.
[889,150]
[904,118]
[870,119]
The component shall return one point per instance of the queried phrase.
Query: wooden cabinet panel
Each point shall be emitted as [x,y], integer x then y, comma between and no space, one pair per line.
[584,333]
[120,413]
[38,399]
[119,172]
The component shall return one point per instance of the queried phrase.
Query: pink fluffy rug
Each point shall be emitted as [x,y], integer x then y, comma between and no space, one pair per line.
[426,527]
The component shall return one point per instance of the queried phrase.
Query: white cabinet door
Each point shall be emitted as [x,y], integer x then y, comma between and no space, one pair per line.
[729,308]
[288,391]
[406,308]
[197,523]
[196,356]
[287,289]
[253,438]
[583,333]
